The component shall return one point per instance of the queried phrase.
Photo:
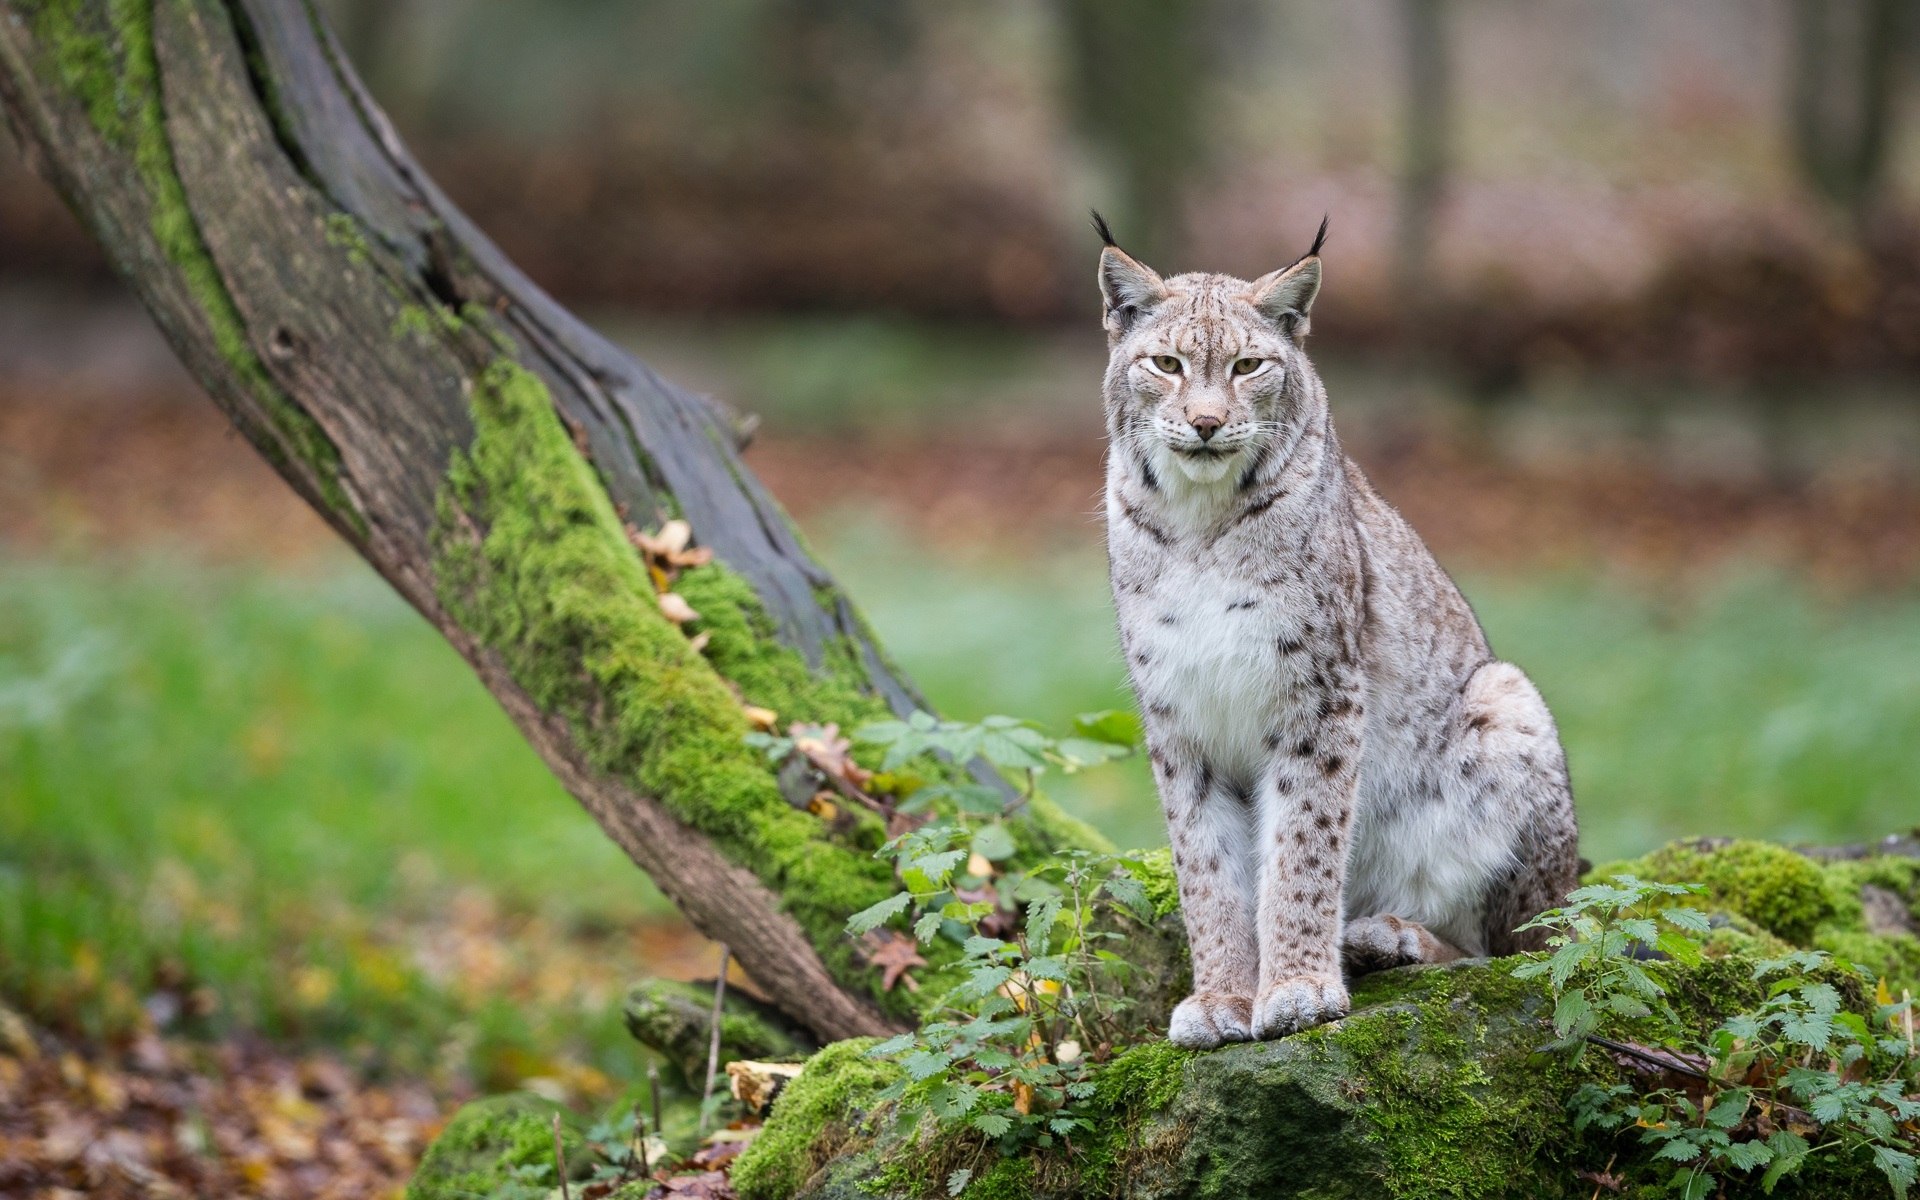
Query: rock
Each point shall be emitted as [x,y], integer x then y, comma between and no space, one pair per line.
[1439,1084]
[676,1019]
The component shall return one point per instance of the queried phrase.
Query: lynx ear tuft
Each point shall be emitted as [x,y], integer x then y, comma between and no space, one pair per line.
[1285,297]
[1127,285]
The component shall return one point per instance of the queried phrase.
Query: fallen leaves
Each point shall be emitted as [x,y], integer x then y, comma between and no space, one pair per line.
[895,953]
[165,1118]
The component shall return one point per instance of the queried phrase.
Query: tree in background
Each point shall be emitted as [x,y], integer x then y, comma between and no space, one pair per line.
[1846,57]
[1136,74]
[1426,148]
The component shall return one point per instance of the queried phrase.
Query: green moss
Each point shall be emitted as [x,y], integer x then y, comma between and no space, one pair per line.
[85,64]
[1157,877]
[113,72]
[820,1115]
[676,1020]
[420,321]
[1774,898]
[480,1148]
[535,564]
[1145,1077]
[1783,892]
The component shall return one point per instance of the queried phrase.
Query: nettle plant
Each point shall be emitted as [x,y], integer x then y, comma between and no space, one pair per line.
[1011,1049]
[1766,1090]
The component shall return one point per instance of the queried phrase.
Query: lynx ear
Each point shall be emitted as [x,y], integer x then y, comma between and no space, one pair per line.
[1285,297]
[1127,285]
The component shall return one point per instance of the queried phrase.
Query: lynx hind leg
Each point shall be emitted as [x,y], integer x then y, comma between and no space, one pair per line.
[1512,753]
[1382,942]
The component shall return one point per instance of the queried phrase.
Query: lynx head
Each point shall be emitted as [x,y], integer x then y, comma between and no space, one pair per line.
[1202,370]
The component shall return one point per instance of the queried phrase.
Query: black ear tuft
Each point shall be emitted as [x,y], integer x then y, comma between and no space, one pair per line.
[1319,239]
[1100,227]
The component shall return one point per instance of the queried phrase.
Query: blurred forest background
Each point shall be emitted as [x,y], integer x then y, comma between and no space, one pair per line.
[1623,310]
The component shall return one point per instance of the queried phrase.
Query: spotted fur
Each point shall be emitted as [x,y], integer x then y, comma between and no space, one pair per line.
[1349,776]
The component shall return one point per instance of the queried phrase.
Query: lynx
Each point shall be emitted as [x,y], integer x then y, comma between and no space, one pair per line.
[1349,777]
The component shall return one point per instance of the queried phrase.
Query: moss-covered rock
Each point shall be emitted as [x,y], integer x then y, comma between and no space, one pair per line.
[1772,897]
[820,1116]
[1440,1084]
[489,1141]
[676,1020]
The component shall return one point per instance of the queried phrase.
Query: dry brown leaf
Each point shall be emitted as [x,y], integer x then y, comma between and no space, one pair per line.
[755,1084]
[763,719]
[822,806]
[677,609]
[895,953]
[699,641]
[829,752]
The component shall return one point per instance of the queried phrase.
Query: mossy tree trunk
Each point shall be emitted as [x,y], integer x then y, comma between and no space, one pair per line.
[480,446]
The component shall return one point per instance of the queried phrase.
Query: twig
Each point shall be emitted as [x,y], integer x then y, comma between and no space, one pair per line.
[653,1085]
[713,1042]
[1651,1058]
[560,1159]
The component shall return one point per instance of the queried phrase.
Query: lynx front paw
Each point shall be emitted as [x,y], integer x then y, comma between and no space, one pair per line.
[1207,1019]
[1299,1002]
[1380,943]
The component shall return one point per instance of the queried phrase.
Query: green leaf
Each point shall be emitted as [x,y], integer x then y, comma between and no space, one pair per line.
[994,843]
[1679,947]
[1077,754]
[1788,1149]
[992,1124]
[1573,1015]
[957,1182]
[925,1064]
[1130,895]
[1898,1166]
[1678,1150]
[894,1045]
[928,926]
[1727,1111]
[1015,748]
[1687,918]
[874,916]
[1114,726]
[1745,1156]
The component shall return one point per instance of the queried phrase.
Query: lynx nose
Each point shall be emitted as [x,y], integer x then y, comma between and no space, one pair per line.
[1205,425]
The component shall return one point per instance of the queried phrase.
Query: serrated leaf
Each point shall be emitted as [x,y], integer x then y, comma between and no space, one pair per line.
[1687,918]
[1788,1149]
[897,1044]
[957,1182]
[1898,1166]
[1573,1013]
[1727,1111]
[1130,894]
[993,1124]
[874,916]
[925,1064]
[1678,1150]
[928,926]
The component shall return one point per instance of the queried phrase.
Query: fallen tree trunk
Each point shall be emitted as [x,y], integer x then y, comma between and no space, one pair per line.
[488,453]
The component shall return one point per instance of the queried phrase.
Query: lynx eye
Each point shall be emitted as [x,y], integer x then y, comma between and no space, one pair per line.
[1166,363]
[1247,366]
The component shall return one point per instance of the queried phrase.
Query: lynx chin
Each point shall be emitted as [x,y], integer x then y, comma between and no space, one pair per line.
[1350,778]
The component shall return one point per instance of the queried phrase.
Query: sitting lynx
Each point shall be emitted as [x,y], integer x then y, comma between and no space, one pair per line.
[1347,772]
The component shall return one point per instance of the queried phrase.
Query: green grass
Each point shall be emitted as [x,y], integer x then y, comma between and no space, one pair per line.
[285,802]
[1748,708]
